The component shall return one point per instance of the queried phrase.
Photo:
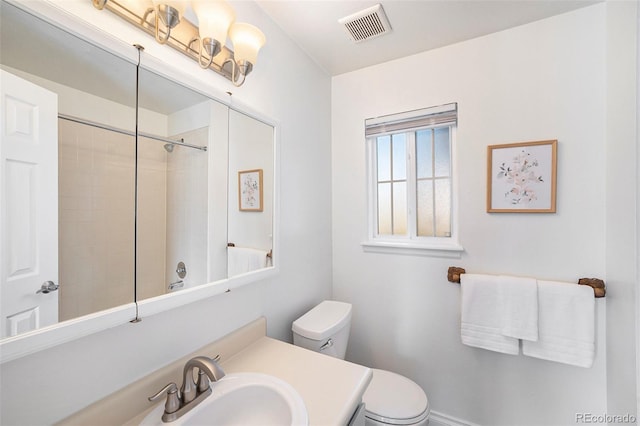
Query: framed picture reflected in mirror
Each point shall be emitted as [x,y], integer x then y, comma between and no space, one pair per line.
[250,191]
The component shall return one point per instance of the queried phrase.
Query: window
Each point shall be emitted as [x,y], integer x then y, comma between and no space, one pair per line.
[411,179]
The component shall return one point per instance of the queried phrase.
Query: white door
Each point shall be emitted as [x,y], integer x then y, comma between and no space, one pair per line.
[28,206]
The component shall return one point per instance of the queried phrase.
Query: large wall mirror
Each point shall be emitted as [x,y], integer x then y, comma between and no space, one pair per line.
[109,199]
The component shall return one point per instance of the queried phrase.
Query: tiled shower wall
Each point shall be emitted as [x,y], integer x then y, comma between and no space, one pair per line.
[152,218]
[187,214]
[97,214]
[96,219]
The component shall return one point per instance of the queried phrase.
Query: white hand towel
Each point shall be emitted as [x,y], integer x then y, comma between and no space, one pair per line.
[241,260]
[566,324]
[481,324]
[519,302]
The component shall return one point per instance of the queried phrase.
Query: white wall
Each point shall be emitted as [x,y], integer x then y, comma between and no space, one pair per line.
[285,86]
[541,81]
[622,214]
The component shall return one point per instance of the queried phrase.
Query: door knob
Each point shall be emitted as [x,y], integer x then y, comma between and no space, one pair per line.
[47,287]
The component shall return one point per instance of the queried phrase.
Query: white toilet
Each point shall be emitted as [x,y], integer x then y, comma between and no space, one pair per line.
[390,399]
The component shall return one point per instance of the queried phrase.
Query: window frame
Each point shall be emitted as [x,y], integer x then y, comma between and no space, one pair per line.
[411,243]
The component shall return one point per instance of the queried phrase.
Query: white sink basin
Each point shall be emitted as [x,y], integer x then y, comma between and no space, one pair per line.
[242,399]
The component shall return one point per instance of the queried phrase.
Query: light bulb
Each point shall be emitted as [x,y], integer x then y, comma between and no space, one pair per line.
[214,19]
[247,41]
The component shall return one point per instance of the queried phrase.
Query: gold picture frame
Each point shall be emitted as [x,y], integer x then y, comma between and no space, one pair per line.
[250,192]
[521,177]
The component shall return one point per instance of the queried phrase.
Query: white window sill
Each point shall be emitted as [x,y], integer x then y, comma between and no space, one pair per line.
[435,249]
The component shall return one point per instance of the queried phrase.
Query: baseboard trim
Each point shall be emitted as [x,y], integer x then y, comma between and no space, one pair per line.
[441,419]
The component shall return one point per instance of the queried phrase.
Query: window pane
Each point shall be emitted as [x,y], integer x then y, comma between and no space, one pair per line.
[423,154]
[443,156]
[443,207]
[383,150]
[430,183]
[399,208]
[384,208]
[425,208]
[399,157]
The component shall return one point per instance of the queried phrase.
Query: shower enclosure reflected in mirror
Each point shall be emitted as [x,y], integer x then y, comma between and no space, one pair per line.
[171,214]
[107,254]
[176,230]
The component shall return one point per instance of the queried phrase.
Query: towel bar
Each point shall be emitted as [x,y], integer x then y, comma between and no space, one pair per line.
[269,254]
[454,272]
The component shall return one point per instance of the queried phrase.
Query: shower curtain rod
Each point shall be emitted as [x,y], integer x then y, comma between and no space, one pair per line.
[130,133]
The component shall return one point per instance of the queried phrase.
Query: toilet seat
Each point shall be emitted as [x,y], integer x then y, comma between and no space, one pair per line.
[394,399]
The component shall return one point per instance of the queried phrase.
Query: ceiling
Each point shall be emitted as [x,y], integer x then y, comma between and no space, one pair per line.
[81,65]
[417,25]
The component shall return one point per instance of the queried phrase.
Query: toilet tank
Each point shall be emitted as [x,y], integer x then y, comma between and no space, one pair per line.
[324,329]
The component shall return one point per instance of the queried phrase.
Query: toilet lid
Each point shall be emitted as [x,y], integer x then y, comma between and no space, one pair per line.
[394,399]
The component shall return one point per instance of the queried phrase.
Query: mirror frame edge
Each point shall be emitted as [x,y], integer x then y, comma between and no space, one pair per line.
[76,328]
[15,347]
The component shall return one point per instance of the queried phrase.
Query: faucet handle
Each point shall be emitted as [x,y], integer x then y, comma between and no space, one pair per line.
[203,382]
[173,399]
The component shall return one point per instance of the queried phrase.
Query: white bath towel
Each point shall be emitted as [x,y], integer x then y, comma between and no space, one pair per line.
[519,303]
[242,259]
[566,324]
[481,324]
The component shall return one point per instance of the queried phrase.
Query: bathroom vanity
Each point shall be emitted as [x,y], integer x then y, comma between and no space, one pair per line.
[331,388]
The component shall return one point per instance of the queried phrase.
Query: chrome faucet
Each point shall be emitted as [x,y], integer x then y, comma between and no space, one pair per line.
[191,393]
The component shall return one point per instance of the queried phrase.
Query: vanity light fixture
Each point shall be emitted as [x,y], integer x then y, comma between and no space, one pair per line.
[205,43]
[247,40]
[214,20]
[168,12]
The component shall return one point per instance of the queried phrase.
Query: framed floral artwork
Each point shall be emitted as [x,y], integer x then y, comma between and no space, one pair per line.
[250,190]
[521,177]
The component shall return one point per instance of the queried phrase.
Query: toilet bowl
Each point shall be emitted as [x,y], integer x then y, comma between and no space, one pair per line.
[390,399]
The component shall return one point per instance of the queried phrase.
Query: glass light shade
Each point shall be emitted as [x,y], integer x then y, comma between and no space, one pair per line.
[214,18]
[179,5]
[139,7]
[247,41]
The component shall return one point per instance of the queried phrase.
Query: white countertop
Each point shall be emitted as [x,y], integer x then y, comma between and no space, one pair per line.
[331,388]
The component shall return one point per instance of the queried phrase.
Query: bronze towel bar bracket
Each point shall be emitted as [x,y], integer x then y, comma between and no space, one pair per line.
[454,272]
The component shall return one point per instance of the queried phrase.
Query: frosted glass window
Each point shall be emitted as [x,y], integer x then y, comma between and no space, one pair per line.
[412,171]
[399,157]
[384,209]
[425,208]
[384,158]
[443,207]
[442,151]
[400,208]
[424,151]
[433,197]
[391,173]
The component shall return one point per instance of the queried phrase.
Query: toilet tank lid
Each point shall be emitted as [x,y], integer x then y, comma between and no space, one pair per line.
[324,320]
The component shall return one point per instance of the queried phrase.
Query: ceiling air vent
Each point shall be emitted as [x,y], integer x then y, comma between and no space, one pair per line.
[366,24]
